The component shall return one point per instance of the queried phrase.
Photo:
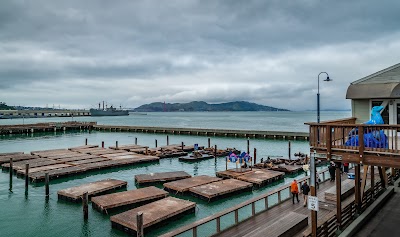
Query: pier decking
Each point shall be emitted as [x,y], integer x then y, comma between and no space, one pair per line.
[184,185]
[95,188]
[232,173]
[161,177]
[5,157]
[220,189]
[153,213]
[139,196]
[207,132]
[289,169]
[45,127]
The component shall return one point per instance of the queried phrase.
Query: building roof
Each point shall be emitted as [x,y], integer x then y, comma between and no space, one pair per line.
[382,84]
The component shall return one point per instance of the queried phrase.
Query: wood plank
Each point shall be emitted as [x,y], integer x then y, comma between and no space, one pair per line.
[153,213]
[184,185]
[94,188]
[16,157]
[56,173]
[347,188]
[122,199]
[232,173]
[161,177]
[42,168]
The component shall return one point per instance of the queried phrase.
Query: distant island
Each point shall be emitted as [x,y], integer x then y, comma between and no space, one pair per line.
[198,106]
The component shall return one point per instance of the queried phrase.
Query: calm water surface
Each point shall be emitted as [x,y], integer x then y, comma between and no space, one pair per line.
[30,214]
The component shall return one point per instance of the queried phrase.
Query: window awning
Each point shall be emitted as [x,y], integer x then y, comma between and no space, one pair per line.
[373,91]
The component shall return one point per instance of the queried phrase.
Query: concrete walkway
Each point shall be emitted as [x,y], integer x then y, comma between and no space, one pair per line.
[386,221]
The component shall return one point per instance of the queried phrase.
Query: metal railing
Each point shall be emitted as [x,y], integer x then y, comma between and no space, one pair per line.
[225,219]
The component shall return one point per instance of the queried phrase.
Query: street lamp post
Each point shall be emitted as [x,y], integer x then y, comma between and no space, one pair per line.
[318,104]
[312,165]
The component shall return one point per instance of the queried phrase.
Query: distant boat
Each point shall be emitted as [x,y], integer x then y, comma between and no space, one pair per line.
[111,111]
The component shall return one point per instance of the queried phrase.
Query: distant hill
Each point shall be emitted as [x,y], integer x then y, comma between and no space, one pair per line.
[3,106]
[203,106]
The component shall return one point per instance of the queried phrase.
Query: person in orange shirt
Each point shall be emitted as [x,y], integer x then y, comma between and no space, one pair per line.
[294,189]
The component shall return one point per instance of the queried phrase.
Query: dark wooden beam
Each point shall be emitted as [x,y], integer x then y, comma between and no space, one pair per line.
[357,188]
[338,196]
[373,181]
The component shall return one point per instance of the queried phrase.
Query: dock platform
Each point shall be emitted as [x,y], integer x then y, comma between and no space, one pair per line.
[129,198]
[74,194]
[220,189]
[5,158]
[232,173]
[261,177]
[153,213]
[290,169]
[161,177]
[184,185]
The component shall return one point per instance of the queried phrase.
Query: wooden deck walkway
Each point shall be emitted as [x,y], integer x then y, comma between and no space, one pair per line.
[272,215]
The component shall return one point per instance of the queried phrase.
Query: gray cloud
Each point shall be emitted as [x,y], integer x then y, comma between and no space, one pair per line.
[75,53]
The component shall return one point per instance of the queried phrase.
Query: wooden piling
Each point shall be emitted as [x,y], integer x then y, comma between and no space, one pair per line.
[85,205]
[289,148]
[11,168]
[156,142]
[102,144]
[26,176]
[167,140]
[46,177]
[255,156]
[215,151]
[147,150]
[86,142]
[182,146]
[135,140]
[209,142]
[116,145]
[139,224]
[248,146]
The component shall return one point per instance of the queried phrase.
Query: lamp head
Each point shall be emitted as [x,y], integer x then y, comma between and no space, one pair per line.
[328,79]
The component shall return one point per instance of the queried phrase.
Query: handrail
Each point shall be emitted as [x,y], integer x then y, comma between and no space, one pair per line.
[193,226]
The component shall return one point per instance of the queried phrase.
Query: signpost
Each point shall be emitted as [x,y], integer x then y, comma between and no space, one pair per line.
[313,203]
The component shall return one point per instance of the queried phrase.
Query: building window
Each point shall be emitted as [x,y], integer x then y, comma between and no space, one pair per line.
[385,112]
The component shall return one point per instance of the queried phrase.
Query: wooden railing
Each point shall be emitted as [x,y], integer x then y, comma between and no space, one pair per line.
[379,140]
[232,216]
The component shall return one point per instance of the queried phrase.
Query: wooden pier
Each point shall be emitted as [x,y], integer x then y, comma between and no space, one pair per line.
[153,214]
[232,173]
[207,132]
[184,185]
[45,127]
[161,177]
[220,189]
[5,157]
[129,198]
[74,194]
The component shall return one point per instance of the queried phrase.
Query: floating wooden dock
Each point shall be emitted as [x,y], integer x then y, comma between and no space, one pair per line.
[136,197]
[195,158]
[261,177]
[232,173]
[95,188]
[290,169]
[220,189]
[56,173]
[161,177]
[5,158]
[153,213]
[184,185]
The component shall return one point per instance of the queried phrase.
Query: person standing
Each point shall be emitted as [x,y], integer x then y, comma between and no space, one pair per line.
[294,189]
[346,168]
[332,172]
[305,189]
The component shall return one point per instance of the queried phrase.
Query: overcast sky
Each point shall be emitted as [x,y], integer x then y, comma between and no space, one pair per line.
[77,53]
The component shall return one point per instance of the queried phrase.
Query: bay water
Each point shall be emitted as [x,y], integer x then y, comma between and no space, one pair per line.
[31,214]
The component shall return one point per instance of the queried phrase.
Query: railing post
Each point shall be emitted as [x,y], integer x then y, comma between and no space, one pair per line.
[373,181]
[253,208]
[195,231]
[338,197]
[236,216]
[279,196]
[266,202]
[328,142]
[139,224]
[361,143]
[357,188]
